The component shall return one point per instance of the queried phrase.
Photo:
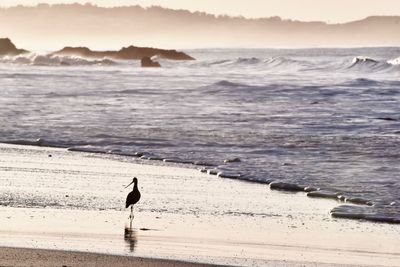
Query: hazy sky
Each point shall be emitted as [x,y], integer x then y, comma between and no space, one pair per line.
[324,10]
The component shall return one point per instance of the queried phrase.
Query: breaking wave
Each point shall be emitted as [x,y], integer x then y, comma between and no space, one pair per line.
[254,61]
[370,64]
[357,64]
[395,61]
[52,60]
[278,63]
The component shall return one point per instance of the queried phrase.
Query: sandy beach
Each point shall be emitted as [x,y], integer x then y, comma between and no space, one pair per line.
[47,258]
[183,216]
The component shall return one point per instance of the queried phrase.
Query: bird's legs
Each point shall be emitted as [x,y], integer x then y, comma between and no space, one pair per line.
[131,216]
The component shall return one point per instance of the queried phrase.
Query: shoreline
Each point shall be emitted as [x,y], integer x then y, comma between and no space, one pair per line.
[205,219]
[338,211]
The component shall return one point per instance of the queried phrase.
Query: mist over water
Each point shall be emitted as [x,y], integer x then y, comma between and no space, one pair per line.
[328,118]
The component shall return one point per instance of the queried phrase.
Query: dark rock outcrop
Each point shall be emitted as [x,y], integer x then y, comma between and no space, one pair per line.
[129,53]
[134,52]
[148,62]
[8,48]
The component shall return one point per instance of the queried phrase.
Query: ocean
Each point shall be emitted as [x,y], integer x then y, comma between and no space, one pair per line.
[327,118]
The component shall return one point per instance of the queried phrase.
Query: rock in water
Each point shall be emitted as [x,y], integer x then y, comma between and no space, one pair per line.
[148,62]
[126,53]
[134,52]
[8,48]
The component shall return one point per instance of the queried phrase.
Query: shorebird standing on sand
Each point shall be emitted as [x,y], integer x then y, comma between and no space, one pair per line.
[133,197]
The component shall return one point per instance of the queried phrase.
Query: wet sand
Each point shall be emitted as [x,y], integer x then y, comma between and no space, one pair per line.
[49,258]
[183,215]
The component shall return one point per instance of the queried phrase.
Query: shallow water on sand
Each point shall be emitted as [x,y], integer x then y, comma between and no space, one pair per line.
[320,117]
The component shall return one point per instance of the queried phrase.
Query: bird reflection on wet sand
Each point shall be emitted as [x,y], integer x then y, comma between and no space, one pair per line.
[130,238]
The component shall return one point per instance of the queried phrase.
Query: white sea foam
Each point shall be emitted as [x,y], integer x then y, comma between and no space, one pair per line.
[52,60]
[395,61]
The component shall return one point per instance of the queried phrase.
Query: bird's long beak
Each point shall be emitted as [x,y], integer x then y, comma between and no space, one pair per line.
[129,184]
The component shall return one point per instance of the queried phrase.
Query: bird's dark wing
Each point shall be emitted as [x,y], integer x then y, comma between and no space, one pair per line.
[129,200]
[132,198]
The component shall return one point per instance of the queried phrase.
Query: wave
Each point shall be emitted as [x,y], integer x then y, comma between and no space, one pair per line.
[230,62]
[286,62]
[359,63]
[361,82]
[365,213]
[362,63]
[364,60]
[273,62]
[395,61]
[231,88]
[371,84]
[248,61]
[225,83]
[51,60]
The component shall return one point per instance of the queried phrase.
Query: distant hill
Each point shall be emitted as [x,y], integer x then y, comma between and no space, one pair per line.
[53,26]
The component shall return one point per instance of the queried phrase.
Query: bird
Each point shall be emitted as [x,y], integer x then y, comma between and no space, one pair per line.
[133,197]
